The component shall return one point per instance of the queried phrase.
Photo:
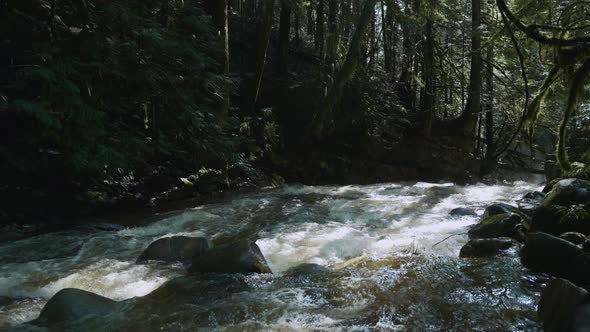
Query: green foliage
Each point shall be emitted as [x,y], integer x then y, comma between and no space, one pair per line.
[136,84]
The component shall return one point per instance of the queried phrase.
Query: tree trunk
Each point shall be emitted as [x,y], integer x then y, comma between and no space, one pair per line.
[263,28]
[333,37]
[428,97]
[345,73]
[284,35]
[489,109]
[473,106]
[218,10]
[319,29]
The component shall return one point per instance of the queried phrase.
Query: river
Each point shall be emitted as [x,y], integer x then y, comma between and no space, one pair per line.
[379,265]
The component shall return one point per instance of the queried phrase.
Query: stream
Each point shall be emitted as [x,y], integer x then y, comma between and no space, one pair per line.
[379,265]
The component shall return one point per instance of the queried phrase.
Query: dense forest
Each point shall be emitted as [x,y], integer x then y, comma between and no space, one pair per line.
[115,99]
[110,107]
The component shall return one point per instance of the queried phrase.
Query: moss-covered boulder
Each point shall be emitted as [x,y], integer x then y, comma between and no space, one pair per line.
[500,208]
[569,192]
[564,307]
[558,219]
[574,237]
[543,252]
[485,247]
[499,225]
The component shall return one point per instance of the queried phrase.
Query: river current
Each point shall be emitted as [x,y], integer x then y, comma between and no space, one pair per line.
[379,264]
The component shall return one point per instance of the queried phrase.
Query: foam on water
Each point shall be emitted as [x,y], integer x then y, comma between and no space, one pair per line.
[297,224]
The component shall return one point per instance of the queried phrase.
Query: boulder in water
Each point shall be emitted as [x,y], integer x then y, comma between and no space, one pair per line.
[534,196]
[71,304]
[499,225]
[239,257]
[546,253]
[461,211]
[557,219]
[485,247]
[580,270]
[569,192]
[574,237]
[564,307]
[500,208]
[176,248]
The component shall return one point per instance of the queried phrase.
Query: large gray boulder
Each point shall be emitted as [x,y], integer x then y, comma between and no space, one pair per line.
[546,253]
[239,257]
[485,247]
[564,307]
[70,305]
[176,248]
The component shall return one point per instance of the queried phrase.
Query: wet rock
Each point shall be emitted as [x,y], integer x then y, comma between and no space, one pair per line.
[574,237]
[569,192]
[500,208]
[556,219]
[5,301]
[546,253]
[580,270]
[462,212]
[499,225]
[176,248]
[485,247]
[564,307]
[534,196]
[239,257]
[549,186]
[70,305]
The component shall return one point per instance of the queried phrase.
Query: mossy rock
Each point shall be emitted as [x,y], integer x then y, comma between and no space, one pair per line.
[568,192]
[556,219]
[500,225]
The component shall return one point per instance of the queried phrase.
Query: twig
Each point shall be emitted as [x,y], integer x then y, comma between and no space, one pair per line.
[446,238]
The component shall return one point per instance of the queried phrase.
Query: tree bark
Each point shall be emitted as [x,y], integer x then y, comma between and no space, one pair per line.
[284,36]
[473,106]
[218,10]
[263,28]
[345,73]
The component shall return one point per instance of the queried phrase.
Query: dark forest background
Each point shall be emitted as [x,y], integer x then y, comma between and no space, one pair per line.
[108,103]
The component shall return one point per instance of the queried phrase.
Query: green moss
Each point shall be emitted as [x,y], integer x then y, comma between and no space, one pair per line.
[494,226]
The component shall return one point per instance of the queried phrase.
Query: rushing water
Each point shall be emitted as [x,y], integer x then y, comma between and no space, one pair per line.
[379,265]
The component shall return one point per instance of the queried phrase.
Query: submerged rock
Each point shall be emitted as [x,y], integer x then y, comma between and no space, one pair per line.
[70,305]
[564,307]
[546,253]
[239,257]
[498,225]
[462,212]
[176,248]
[574,237]
[485,247]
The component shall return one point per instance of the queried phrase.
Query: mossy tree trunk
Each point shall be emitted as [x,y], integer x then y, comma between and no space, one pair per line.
[345,74]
